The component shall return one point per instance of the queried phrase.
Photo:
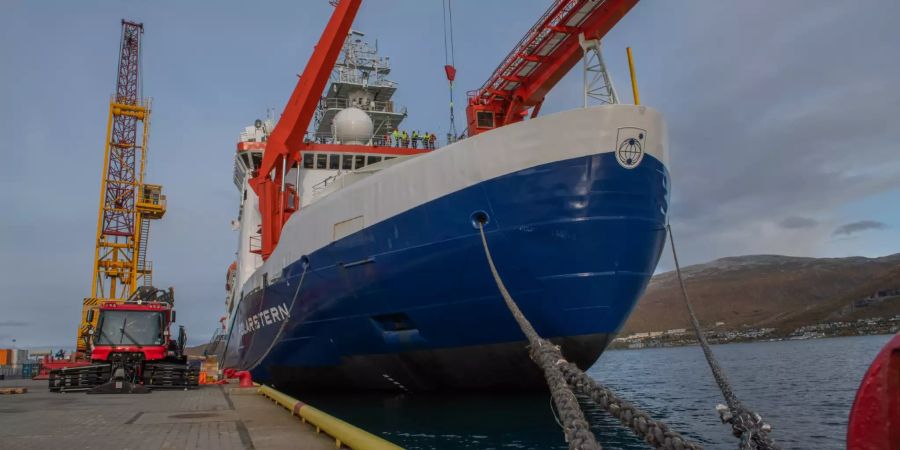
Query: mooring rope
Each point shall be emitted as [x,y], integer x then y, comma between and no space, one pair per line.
[654,432]
[546,355]
[745,424]
[287,319]
[280,330]
[562,376]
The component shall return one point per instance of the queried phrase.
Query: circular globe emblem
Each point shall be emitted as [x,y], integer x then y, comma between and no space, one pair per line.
[630,153]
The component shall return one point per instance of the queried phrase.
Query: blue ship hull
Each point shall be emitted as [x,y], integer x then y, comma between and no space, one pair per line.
[409,303]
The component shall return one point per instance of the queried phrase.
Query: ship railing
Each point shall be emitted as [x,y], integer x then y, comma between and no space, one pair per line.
[375,106]
[329,138]
[354,77]
[419,143]
[380,140]
[320,186]
[255,243]
[238,175]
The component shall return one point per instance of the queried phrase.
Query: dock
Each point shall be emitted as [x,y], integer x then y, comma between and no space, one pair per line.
[210,417]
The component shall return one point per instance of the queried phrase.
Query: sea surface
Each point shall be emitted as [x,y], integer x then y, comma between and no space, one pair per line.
[803,388]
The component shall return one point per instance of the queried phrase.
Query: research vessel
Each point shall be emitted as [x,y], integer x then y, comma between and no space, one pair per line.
[378,277]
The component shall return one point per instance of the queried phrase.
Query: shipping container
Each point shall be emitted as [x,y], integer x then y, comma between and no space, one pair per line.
[30,369]
[18,357]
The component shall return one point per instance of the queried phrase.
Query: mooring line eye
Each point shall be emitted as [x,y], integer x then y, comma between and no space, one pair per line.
[479,218]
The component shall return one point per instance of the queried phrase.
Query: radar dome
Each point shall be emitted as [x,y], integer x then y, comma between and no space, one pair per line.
[353,126]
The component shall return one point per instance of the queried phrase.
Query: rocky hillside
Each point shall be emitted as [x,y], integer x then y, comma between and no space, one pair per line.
[771,291]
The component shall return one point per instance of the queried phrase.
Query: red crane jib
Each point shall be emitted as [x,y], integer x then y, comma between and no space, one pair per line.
[286,141]
[547,52]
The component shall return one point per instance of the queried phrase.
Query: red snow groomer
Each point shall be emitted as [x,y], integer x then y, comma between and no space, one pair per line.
[131,350]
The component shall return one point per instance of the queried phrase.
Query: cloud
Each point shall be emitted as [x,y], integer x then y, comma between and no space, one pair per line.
[856,227]
[14,323]
[760,143]
[803,138]
[798,222]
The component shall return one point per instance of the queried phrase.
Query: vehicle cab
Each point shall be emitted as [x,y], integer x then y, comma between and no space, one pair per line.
[132,328]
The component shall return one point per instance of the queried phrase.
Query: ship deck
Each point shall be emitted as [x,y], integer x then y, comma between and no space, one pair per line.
[219,417]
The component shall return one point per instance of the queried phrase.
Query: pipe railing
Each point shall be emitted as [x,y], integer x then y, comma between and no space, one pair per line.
[342,432]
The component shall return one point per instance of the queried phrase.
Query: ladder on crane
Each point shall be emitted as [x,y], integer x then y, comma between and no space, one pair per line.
[145,270]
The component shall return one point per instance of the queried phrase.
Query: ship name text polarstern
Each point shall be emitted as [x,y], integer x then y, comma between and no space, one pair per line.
[264,318]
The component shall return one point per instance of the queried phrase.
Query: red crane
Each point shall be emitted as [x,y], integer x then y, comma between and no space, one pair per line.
[546,53]
[286,141]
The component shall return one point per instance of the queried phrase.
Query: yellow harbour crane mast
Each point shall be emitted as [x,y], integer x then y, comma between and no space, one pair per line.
[126,204]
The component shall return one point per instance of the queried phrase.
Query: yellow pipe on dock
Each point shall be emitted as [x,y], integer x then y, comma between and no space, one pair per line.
[634,86]
[342,432]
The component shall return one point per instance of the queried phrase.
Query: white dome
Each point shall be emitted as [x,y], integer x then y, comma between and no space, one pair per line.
[353,126]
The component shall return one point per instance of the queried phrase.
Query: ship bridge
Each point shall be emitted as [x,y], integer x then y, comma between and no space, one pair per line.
[359,80]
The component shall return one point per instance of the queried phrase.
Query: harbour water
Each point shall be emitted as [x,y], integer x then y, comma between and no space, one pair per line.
[803,388]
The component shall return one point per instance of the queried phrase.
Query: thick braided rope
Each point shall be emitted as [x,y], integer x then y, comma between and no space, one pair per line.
[654,432]
[745,424]
[546,355]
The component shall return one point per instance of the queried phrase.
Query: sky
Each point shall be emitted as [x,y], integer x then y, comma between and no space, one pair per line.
[784,123]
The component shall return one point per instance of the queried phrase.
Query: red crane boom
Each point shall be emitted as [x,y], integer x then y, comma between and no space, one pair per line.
[286,141]
[547,52]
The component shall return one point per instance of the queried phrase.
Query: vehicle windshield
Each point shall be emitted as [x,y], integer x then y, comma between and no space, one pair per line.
[129,328]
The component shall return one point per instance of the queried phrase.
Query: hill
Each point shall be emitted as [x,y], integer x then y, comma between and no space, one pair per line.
[773,291]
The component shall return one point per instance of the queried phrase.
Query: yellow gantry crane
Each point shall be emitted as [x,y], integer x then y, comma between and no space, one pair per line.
[126,204]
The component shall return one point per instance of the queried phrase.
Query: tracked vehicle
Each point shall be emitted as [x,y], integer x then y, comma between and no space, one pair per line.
[131,349]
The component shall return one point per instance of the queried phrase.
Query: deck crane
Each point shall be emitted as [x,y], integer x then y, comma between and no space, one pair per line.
[544,55]
[548,51]
[127,204]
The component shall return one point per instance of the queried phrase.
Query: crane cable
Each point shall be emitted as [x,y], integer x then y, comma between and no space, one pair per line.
[745,424]
[449,62]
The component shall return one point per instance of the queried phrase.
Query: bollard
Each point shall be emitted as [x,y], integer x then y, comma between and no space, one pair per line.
[246,380]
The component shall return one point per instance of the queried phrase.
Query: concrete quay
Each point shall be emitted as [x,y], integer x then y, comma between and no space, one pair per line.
[211,417]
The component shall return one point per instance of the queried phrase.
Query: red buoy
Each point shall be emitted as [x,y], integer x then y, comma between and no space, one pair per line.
[875,417]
